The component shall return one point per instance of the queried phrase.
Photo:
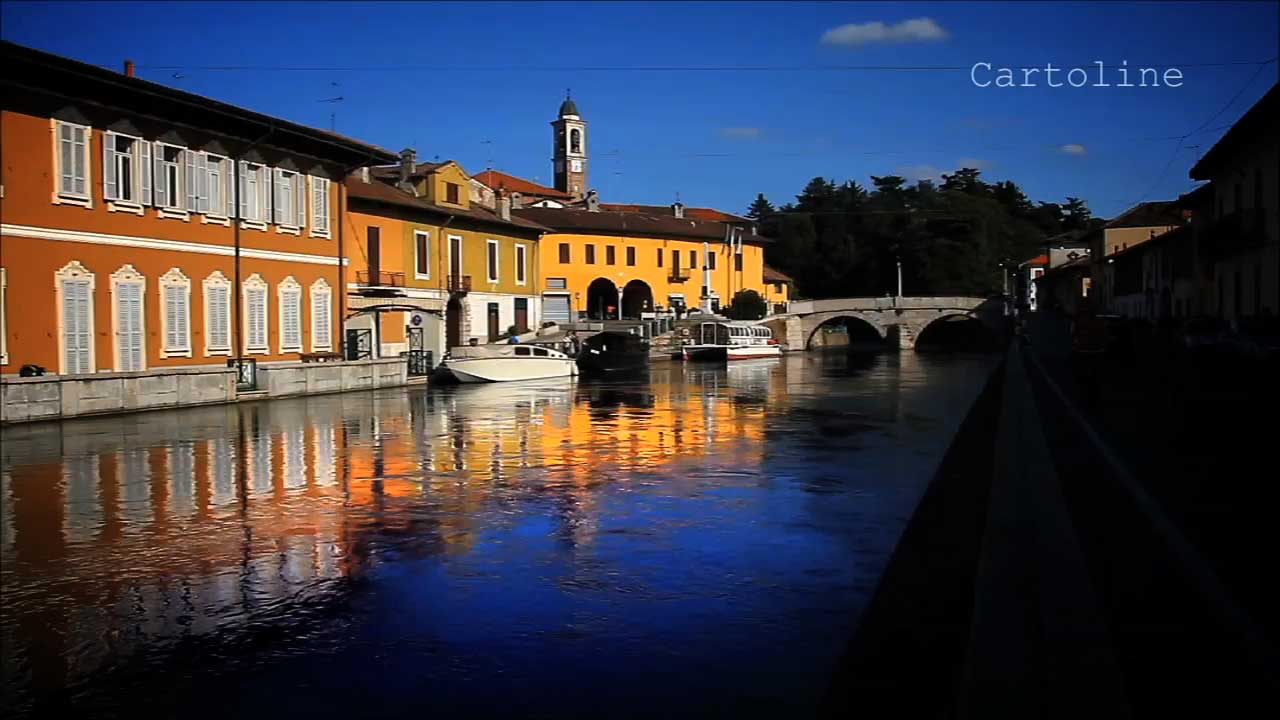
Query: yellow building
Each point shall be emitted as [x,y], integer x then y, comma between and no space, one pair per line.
[433,268]
[777,290]
[617,265]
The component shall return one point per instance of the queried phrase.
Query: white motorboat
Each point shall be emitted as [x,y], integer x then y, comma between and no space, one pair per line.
[505,363]
[732,341]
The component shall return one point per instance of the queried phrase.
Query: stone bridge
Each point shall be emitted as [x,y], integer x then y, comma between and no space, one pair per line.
[896,319]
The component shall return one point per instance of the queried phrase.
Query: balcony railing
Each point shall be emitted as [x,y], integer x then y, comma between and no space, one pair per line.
[678,275]
[459,283]
[379,279]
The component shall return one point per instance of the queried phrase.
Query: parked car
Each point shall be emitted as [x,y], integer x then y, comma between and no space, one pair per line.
[1203,333]
[1255,339]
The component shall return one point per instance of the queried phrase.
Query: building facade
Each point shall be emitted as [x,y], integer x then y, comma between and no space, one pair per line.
[608,265]
[146,227]
[1239,239]
[432,268]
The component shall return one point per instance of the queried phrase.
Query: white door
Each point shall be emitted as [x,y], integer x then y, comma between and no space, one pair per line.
[129,340]
[76,328]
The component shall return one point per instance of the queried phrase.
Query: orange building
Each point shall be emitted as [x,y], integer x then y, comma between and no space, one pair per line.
[146,227]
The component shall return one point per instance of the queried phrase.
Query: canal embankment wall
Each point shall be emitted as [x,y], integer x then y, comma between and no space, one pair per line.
[58,397]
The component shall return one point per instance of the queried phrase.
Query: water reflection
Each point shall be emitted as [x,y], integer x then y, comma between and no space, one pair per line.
[705,528]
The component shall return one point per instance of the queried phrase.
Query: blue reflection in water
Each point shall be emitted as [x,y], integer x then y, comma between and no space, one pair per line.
[699,542]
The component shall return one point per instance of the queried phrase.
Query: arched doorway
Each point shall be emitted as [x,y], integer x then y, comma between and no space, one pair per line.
[845,332]
[453,323]
[637,297]
[602,300]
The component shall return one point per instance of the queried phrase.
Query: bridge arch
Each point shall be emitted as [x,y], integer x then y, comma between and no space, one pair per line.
[961,330]
[860,326]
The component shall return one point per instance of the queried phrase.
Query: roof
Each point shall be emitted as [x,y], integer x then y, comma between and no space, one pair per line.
[35,71]
[1153,243]
[1259,120]
[773,276]
[1149,214]
[420,169]
[569,107]
[696,213]
[497,179]
[381,192]
[1080,264]
[629,223]
[1037,260]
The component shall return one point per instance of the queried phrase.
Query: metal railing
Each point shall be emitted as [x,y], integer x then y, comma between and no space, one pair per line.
[379,279]
[459,283]
[678,275]
[421,362]
[246,373]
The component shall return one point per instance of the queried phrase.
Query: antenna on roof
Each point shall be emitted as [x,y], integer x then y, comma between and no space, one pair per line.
[333,114]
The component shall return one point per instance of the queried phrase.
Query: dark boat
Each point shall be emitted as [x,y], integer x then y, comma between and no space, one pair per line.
[613,352]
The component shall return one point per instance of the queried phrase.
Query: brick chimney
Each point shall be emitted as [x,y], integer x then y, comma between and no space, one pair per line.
[408,165]
[364,175]
[128,68]
[503,204]
[677,209]
[593,201]
[517,201]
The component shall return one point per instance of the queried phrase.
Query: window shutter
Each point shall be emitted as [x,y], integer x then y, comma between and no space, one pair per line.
[264,194]
[299,201]
[109,189]
[171,318]
[162,181]
[219,320]
[144,165]
[190,180]
[320,331]
[67,152]
[244,191]
[202,182]
[277,191]
[228,186]
[184,314]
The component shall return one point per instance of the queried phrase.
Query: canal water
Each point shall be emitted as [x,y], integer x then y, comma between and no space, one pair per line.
[697,543]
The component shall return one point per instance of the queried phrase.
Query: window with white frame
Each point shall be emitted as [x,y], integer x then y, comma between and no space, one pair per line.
[170,176]
[290,199]
[128,287]
[319,206]
[74,286]
[255,193]
[321,316]
[290,296]
[522,262]
[492,261]
[195,180]
[422,254]
[126,169]
[215,192]
[255,314]
[73,161]
[175,318]
[217,314]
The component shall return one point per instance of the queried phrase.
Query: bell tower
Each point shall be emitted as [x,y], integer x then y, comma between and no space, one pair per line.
[569,132]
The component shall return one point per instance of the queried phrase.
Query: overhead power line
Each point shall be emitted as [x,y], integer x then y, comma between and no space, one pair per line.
[663,68]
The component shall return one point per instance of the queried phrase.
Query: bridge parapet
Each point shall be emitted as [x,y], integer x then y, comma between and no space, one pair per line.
[808,307]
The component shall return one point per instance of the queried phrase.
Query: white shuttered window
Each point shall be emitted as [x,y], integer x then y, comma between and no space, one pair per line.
[126,169]
[75,318]
[290,315]
[321,317]
[217,314]
[320,206]
[73,160]
[127,289]
[175,296]
[255,311]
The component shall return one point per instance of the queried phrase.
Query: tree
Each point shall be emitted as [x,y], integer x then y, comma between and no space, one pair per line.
[746,305]
[760,207]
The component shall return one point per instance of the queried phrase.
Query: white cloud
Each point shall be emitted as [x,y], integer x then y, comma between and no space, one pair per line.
[914,30]
[742,133]
[1073,149]
[919,172]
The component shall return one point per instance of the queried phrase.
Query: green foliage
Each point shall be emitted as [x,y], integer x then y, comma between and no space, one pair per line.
[841,240]
[760,207]
[746,305]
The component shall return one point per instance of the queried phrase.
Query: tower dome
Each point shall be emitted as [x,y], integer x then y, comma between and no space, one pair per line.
[568,107]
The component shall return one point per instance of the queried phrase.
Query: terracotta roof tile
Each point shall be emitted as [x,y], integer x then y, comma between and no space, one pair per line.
[697,213]
[379,191]
[630,223]
[774,276]
[496,179]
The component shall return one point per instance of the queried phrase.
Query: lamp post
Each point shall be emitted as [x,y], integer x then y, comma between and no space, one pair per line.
[899,276]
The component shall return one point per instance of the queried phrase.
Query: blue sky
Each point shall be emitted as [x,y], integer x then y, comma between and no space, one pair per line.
[481,82]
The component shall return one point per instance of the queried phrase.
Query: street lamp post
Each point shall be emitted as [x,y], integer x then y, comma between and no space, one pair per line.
[899,277]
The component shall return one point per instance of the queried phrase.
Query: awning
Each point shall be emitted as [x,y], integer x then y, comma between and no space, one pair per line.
[360,303]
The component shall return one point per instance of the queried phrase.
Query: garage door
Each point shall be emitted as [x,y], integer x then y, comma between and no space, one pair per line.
[555,308]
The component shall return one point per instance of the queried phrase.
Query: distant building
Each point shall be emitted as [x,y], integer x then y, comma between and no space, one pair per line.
[777,290]
[1028,273]
[1131,228]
